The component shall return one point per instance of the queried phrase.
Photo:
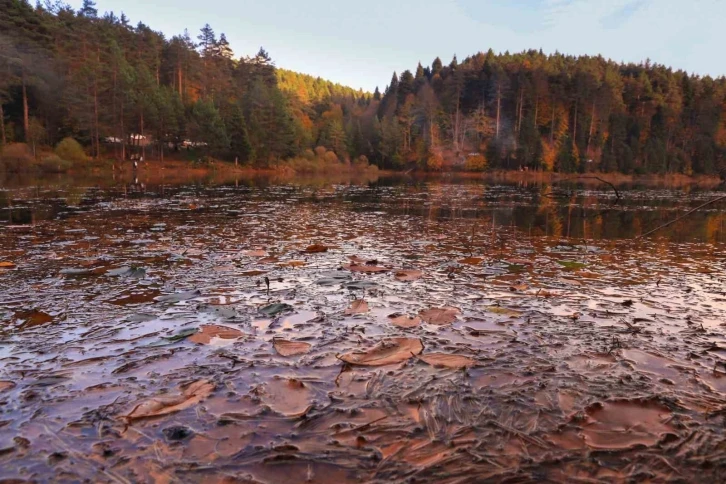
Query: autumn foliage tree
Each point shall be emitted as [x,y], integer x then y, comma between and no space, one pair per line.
[120,88]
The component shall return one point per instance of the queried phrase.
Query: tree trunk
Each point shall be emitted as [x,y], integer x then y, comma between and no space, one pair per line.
[113,109]
[519,114]
[2,125]
[26,117]
[95,118]
[142,142]
[95,103]
[161,141]
[123,134]
[456,124]
[179,78]
[552,124]
[574,129]
[592,127]
[499,105]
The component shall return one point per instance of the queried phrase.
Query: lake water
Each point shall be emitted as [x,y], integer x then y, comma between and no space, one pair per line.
[397,329]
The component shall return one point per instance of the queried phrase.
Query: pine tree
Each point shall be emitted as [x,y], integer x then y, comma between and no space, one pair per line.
[436,67]
[207,41]
[88,9]
[240,146]
[225,50]
[206,126]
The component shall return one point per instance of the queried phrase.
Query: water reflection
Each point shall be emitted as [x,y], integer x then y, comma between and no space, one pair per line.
[565,209]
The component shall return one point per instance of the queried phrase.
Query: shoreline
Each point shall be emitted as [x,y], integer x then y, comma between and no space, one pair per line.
[179,172]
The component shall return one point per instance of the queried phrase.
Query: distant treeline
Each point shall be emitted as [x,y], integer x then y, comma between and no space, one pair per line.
[78,74]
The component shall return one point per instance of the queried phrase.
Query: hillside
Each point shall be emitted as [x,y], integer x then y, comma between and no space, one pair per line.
[94,77]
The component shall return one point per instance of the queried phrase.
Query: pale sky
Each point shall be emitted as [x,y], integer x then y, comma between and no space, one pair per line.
[360,43]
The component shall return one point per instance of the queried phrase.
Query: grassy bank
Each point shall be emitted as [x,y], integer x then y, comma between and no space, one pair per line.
[21,166]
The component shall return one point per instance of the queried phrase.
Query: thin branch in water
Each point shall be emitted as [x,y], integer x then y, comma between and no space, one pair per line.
[723,197]
[618,197]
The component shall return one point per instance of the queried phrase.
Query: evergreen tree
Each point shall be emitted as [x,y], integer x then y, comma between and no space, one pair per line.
[88,9]
[206,126]
[240,146]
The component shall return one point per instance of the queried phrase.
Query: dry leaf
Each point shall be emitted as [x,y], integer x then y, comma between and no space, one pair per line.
[519,287]
[255,253]
[290,348]
[365,268]
[622,424]
[407,275]
[316,248]
[439,316]
[504,311]
[472,261]
[292,263]
[191,395]
[34,317]
[387,352]
[404,320]
[252,273]
[209,331]
[359,306]
[6,385]
[287,396]
[449,361]
[6,265]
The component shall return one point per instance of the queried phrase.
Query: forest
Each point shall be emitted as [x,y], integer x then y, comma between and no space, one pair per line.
[120,89]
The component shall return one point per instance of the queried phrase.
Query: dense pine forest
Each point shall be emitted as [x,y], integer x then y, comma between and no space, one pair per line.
[120,89]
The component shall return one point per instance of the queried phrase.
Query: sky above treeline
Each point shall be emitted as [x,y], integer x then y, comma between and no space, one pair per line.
[360,43]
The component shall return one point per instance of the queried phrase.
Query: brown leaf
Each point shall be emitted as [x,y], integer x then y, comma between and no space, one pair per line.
[34,317]
[252,273]
[472,261]
[387,352]
[448,361]
[6,385]
[316,248]
[209,331]
[504,311]
[255,253]
[404,320]
[365,268]
[359,306]
[439,316]
[519,287]
[292,263]
[290,348]
[191,395]
[6,265]
[408,275]
[621,424]
[287,396]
